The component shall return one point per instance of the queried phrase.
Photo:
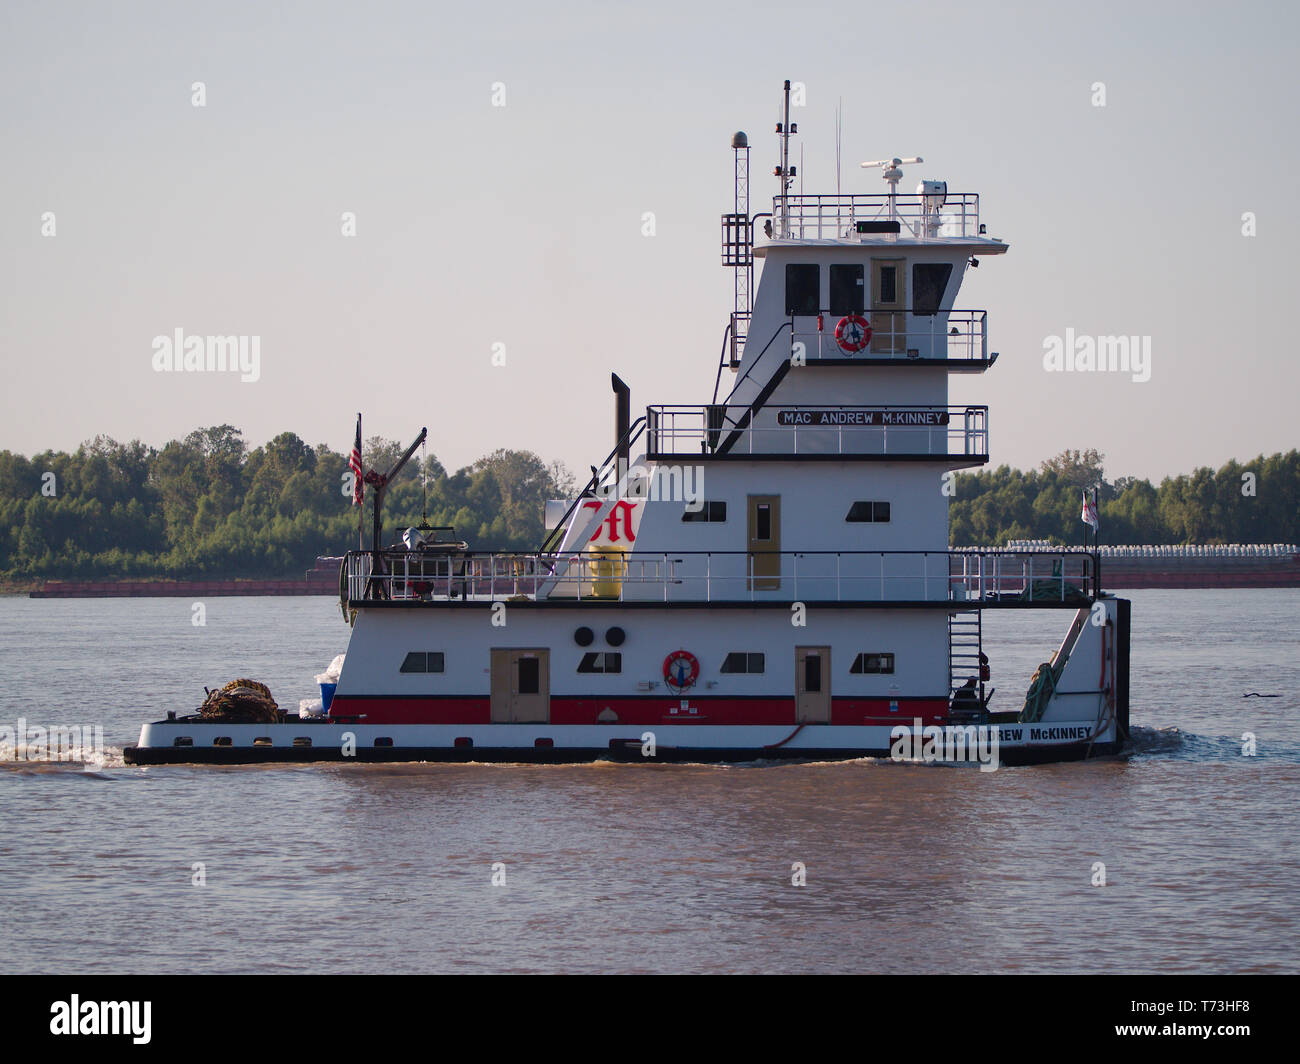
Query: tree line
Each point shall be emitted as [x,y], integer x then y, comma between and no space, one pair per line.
[1254,502]
[210,506]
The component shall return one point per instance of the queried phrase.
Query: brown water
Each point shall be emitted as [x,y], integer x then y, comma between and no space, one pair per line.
[609,867]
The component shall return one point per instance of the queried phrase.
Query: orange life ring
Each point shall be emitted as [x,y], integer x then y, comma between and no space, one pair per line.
[853,333]
[681,670]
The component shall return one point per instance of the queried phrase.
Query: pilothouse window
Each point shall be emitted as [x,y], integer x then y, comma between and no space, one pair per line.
[848,290]
[929,282]
[802,288]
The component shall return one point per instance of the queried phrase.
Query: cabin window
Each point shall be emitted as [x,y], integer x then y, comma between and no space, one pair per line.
[763,521]
[848,290]
[929,282]
[888,285]
[608,661]
[802,288]
[710,511]
[530,676]
[873,663]
[741,661]
[863,511]
[812,673]
[423,661]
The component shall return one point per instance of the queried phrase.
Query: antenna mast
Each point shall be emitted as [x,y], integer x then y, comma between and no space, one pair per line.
[839,140]
[738,249]
[786,175]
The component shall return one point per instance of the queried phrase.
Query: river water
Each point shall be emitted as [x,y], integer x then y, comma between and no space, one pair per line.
[649,868]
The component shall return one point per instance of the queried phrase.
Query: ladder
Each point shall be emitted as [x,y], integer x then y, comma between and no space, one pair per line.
[965,643]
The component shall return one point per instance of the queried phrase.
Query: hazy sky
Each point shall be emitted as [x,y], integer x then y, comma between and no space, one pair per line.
[522,224]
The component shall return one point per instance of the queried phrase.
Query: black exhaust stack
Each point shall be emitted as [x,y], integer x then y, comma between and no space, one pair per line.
[622,421]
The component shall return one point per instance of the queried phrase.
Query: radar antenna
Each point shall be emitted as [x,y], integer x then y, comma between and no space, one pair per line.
[889,170]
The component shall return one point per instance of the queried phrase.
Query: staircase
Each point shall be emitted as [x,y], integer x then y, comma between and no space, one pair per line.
[965,639]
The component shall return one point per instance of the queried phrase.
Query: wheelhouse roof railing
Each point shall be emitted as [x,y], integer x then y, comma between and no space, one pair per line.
[810,217]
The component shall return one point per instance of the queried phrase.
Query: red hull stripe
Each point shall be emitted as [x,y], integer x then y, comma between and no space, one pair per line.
[637,711]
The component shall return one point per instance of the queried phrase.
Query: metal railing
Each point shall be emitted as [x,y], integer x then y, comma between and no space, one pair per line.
[903,335]
[608,475]
[835,217]
[962,576]
[893,431]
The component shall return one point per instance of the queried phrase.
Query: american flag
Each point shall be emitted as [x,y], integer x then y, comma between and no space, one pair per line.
[354,463]
[1089,515]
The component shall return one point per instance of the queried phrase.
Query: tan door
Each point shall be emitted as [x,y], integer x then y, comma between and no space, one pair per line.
[764,542]
[521,686]
[812,685]
[888,302]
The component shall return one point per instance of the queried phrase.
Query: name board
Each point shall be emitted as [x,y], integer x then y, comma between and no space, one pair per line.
[831,418]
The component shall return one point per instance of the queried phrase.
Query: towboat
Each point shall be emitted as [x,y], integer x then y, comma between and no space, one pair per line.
[761,577]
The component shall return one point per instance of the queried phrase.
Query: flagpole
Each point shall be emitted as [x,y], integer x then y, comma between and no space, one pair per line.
[361,507]
[1096,542]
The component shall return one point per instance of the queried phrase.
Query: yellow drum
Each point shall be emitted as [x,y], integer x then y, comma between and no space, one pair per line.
[608,569]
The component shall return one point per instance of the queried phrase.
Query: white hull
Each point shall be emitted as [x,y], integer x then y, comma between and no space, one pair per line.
[191,741]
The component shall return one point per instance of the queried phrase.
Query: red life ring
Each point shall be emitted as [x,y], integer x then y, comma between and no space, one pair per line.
[681,670]
[853,333]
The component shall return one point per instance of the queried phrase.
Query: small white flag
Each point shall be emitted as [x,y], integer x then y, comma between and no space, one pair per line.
[1089,514]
